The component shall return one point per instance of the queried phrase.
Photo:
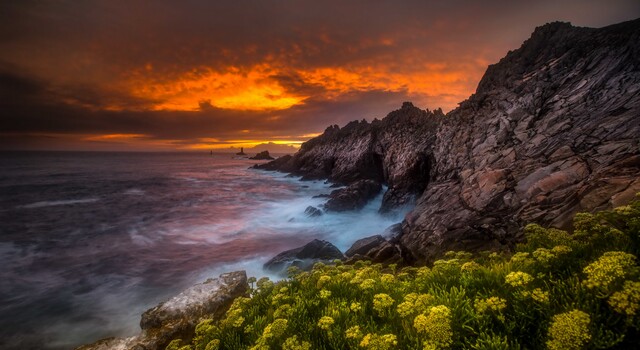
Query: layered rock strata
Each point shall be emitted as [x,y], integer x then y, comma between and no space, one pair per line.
[553,129]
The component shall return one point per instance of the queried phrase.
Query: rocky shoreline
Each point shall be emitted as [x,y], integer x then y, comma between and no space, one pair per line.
[553,129]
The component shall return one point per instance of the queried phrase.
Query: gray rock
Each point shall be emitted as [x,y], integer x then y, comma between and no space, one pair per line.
[305,256]
[178,316]
[551,130]
[313,212]
[354,196]
[364,245]
[264,155]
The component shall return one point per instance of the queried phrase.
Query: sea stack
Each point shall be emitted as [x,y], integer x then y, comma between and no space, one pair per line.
[264,155]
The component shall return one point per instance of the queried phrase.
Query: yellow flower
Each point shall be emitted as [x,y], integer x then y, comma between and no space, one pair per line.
[522,258]
[353,333]
[379,342]
[540,296]
[569,330]
[423,271]
[382,302]
[214,344]
[324,294]
[543,255]
[346,276]
[414,303]
[279,298]
[368,283]
[326,322]
[387,278]
[292,343]
[355,307]
[470,266]
[626,301]
[437,327]
[561,249]
[518,278]
[608,269]
[283,311]
[275,329]
[490,304]
[624,210]
[324,279]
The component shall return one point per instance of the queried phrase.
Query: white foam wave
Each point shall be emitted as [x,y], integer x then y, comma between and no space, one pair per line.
[60,202]
[134,192]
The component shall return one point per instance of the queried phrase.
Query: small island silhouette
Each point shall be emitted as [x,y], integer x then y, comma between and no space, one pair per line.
[241,153]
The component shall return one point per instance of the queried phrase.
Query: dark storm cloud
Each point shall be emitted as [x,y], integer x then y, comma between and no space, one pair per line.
[35,108]
[69,65]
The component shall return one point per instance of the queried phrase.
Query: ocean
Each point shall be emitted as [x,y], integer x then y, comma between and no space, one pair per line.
[90,240]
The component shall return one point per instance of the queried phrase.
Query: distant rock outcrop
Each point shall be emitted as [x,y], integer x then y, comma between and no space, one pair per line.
[264,155]
[552,129]
[241,153]
[178,316]
[304,257]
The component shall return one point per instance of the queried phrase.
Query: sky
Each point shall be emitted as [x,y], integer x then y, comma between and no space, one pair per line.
[186,75]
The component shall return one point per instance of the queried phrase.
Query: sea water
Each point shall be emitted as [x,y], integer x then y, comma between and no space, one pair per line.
[89,241]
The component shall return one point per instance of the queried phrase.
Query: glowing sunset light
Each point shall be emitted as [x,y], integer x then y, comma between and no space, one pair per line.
[161,75]
[115,137]
[251,89]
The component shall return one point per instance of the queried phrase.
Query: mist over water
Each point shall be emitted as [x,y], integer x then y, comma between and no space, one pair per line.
[88,241]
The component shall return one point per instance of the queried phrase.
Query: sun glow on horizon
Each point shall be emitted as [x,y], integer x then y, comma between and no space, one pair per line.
[252,89]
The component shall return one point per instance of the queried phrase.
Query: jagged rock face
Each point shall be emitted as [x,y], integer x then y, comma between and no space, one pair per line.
[178,316]
[353,197]
[553,129]
[394,151]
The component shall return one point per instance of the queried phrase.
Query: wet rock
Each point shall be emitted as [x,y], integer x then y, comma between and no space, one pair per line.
[376,249]
[178,316]
[264,155]
[551,130]
[392,231]
[364,245]
[280,164]
[304,257]
[313,212]
[354,196]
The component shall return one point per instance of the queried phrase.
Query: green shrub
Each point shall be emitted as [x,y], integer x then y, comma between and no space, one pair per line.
[558,290]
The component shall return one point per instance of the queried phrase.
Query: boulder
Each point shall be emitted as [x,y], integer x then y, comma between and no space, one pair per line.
[313,212]
[178,316]
[264,155]
[304,257]
[364,245]
[377,249]
[354,196]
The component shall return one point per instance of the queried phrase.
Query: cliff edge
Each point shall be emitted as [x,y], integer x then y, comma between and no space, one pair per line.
[553,129]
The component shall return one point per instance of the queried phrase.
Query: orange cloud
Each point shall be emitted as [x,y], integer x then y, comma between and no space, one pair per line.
[251,88]
[240,143]
[116,137]
[256,88]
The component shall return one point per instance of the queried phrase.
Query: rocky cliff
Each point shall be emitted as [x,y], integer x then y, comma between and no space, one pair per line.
[553,129]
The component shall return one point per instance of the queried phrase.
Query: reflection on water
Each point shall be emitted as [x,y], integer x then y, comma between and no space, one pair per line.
[88,241]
